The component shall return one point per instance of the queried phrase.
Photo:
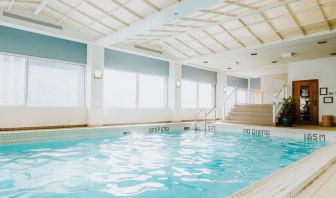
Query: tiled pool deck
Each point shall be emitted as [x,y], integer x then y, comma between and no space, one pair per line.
[323,186]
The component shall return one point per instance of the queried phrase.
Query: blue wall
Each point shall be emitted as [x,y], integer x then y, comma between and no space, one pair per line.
[32,44]
[233,81]
[196,74]
[255,83]
[135,63]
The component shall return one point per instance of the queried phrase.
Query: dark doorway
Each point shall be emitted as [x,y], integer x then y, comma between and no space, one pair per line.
[305,93]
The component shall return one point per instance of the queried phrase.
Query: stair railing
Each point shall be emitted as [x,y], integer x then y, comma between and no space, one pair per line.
[277,104]
[248,96]
[198,114]
[230,101]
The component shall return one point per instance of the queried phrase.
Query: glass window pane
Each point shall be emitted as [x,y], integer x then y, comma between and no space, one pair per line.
[205,95]
[119,89]
[189,94]
[55,84]
[12,80]
[152,91]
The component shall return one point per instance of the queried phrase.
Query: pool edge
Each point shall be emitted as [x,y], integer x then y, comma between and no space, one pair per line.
[288,182]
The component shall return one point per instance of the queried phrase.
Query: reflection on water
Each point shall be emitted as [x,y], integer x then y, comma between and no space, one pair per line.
[158,165]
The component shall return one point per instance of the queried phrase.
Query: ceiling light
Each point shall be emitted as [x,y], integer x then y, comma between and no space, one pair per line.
[333,54]
[274,61]
[229,68]
[288,55]
[205,62]
[254,53]
[321,42]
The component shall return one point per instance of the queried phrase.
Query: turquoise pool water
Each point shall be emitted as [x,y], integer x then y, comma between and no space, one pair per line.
[167,165]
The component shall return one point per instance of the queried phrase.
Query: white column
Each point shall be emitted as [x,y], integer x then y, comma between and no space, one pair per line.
[174,90]
[220,93]
[94,86]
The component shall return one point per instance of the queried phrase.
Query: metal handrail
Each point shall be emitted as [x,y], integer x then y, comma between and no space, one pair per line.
[199,113]
[206,116]
[280,91]
[278,105]
[232,91]
[225,106]
[210,111]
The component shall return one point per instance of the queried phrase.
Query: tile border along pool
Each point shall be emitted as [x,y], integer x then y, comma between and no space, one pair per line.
[286,182]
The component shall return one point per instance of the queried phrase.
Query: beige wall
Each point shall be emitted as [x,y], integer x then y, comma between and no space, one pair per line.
[271,85]
[322,69]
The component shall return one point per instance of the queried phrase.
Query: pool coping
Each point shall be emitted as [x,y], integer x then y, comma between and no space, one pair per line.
[33,136]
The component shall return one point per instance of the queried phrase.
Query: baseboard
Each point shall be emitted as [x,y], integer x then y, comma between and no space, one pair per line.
[42,127]
[333,125]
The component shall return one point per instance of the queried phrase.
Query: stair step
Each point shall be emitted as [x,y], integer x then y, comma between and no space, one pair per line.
[254,106]
[250,118]
[250,113]
[252,109]
[249,122]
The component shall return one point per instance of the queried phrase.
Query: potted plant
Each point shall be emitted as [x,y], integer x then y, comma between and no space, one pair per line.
[288,111]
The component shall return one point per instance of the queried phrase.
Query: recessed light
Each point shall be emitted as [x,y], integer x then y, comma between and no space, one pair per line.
[205,62]
[333,54]
[229,68]
[288,55]
[322,42]
[254,54]
[274,61]
[175,13]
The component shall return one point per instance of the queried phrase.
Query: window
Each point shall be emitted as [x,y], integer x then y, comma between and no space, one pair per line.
[119,89]
[197,94]
[205,95]
[36,82]
[133,90]
[12,80]
[55,84]
[189,94]
[152,91]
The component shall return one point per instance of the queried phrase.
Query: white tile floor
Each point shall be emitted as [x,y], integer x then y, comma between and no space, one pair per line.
[290,181]
[322,187]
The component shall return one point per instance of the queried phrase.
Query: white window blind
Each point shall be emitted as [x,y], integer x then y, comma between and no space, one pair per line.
[12,80]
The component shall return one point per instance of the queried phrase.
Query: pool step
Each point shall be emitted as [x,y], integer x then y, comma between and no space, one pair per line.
[251,114]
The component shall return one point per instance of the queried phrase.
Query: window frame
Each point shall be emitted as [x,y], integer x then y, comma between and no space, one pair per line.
[213,94]
[137,105]
[25,104]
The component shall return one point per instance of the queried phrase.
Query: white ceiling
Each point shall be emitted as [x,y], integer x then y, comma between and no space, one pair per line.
[220,31]
[261,64]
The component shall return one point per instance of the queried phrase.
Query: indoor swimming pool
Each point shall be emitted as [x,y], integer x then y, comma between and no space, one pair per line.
[164,164]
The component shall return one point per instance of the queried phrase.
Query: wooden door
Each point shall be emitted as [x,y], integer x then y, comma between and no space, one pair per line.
[305,94]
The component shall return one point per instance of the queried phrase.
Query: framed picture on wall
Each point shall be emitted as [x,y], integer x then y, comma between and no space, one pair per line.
[328,100]
[323,91]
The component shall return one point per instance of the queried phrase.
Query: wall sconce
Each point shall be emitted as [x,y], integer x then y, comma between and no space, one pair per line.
[97,74]
[178,84]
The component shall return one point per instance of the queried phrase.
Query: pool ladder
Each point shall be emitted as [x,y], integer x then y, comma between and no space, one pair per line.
[206,114]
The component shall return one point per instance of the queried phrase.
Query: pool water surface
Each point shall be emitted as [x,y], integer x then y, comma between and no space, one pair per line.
[166,165]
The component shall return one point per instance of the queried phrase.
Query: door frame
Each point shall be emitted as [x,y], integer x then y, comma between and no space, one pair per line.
[317,120]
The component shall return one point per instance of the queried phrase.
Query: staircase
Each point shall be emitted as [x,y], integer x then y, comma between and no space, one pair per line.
[254,114]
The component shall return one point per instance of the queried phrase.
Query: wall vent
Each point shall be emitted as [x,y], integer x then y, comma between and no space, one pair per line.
[148,49]
[22,18]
